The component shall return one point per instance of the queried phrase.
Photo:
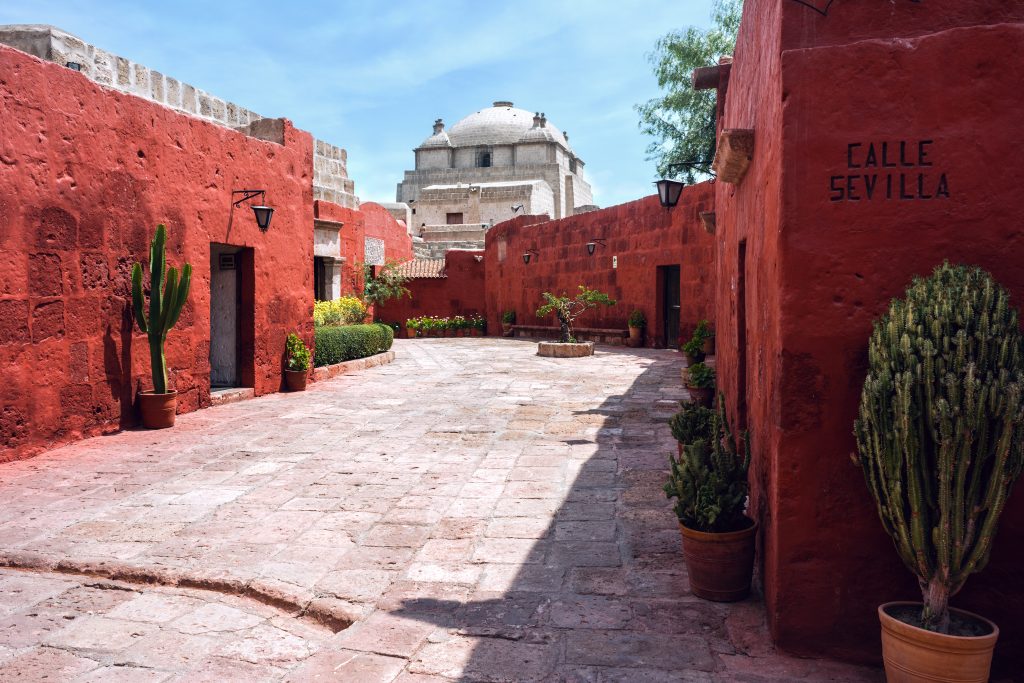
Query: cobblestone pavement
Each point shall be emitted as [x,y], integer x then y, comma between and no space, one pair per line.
[479,514]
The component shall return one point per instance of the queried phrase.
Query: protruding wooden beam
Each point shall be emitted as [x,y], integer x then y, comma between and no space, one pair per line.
[705,77]
[733,155]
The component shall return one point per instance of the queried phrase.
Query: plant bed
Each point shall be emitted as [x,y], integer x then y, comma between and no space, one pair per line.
[348,342]
[553,349]
[328,371]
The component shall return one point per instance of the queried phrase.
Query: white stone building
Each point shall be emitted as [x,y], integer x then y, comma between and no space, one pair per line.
[490,166]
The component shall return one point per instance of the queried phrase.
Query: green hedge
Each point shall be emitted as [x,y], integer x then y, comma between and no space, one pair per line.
[348,342]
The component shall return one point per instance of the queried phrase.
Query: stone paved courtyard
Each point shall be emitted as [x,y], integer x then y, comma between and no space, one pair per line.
[478,514]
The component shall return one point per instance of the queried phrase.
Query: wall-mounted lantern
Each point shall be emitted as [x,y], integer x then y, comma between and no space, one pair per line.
[262,212]
[528,253]
[669,190]
[593,244]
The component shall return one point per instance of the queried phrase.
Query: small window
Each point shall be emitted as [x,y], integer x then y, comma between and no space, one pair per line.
[484,159]
[453,218]
[572,164]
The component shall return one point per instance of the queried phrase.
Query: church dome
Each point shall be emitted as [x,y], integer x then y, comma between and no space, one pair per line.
[438,139]
[501,124]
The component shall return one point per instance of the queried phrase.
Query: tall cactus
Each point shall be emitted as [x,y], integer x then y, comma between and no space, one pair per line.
[940,427]
[165,303]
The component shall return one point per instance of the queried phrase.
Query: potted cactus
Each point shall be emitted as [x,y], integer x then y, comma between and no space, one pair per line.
[637,322]
[166,301]
[692,422]
[508,319]
[700,382]
[296,363]
[709,483]
[940,440]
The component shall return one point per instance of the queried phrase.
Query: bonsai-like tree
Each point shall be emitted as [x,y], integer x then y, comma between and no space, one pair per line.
[940,430]
[567,310]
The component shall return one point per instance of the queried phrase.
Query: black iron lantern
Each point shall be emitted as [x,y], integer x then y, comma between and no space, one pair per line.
[527,254]
[592,246]
[262,212]
[263,216]
[669,191]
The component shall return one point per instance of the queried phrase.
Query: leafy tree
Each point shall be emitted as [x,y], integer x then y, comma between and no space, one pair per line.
[567,310]
[682,120]
[387,284]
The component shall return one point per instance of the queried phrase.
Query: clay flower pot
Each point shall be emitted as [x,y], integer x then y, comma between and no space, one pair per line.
[709,346]
[506,329]
[295,380]
[915,655]
[720,565]
[158,409]
[636,335]
[705,396]
[410,333]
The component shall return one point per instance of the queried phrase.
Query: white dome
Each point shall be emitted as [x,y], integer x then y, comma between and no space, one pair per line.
[501,124]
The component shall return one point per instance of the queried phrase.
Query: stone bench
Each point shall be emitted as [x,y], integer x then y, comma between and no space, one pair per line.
[600,335]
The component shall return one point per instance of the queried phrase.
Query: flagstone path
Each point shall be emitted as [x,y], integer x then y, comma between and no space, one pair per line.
[475,512]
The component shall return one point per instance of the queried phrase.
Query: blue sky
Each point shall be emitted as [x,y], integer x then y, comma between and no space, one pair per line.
[373,76]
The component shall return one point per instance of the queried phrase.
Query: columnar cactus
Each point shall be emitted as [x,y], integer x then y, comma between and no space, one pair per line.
[165,303]
[940,427]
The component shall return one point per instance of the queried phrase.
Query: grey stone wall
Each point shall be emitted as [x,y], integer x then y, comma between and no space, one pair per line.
[330,174]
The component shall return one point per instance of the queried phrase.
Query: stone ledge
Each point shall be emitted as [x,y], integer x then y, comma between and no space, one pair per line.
[329,371]
[565,350]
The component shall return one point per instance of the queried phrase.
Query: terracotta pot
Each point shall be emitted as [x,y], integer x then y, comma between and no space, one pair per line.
[410,333]
[709,346]
[158,409]
[506,329]
[702,395]
[636,334]
[914,655]
[295,380]
[720,565]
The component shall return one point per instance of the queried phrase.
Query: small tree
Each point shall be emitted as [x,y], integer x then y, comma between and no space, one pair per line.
[567,310]
[387,284]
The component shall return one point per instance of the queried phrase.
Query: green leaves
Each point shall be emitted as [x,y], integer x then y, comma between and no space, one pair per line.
[298,354]
[567,310]
[682,120]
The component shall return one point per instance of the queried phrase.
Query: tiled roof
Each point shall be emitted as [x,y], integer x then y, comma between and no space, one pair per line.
[423,268]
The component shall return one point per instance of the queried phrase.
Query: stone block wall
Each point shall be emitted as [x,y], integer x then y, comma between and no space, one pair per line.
[330,174]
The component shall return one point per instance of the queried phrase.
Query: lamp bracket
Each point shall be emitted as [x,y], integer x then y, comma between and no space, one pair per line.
[248,194]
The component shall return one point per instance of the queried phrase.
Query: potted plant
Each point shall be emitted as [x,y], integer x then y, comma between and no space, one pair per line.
[479,324]
[940,437]
[706,337]
[296,363]
[692,422]
[637,322]
[694,351]
[508,319]
[567,310]
[166,302]
[709,483]
[410,328]
[700,382]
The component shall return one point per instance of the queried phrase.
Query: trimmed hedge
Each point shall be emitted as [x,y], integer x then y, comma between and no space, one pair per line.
[348,342]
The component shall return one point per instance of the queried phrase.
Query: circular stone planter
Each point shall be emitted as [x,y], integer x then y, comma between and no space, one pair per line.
[566,350]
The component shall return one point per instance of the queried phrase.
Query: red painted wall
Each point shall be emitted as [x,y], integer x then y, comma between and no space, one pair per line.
[461,292]
[382,225]
[643,235]
[819,271]
[86,175]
